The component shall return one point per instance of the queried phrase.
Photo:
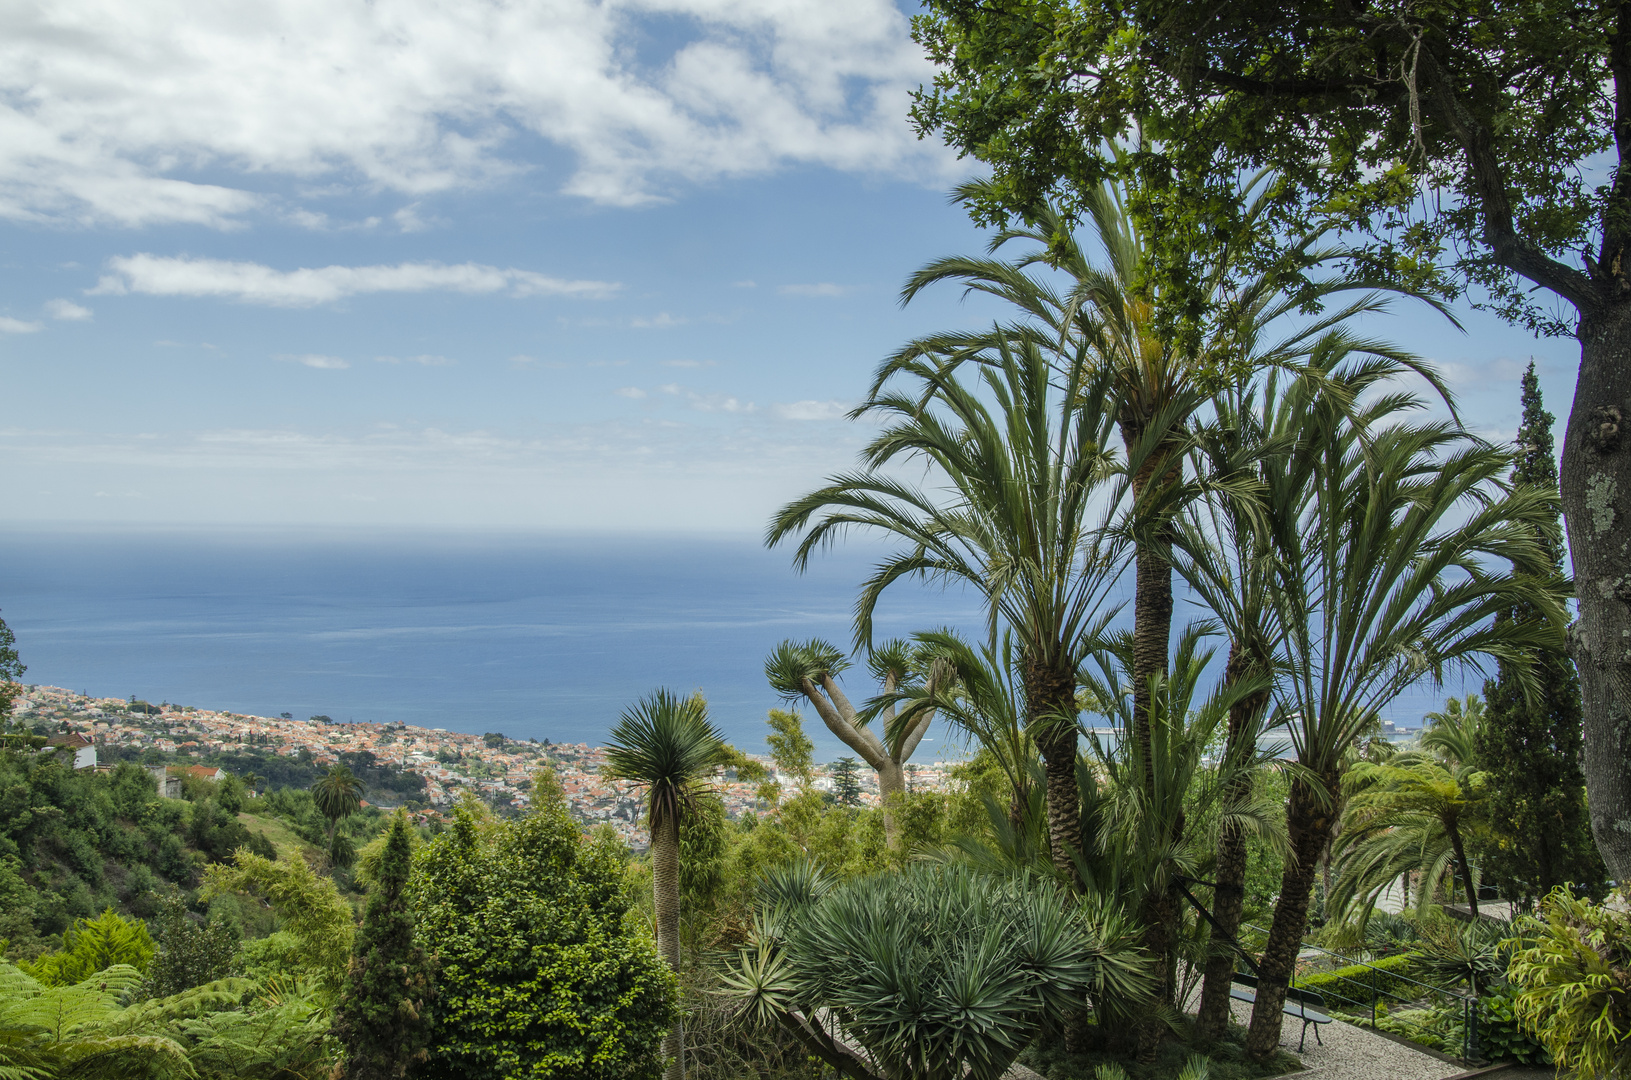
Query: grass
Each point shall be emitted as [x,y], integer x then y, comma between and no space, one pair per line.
[282,837]
[1226,1058]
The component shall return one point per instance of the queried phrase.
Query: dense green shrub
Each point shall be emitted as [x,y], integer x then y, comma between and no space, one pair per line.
[543,973]
[1361,983]
[190,953]
[92,945]
[1572,969]
[1502,1035]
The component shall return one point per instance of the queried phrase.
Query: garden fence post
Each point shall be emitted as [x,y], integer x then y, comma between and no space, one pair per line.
[1470,1047]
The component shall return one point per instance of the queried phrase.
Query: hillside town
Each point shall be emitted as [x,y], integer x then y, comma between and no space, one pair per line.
[497,769]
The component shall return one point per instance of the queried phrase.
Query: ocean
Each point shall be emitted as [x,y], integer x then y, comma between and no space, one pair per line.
[535,637]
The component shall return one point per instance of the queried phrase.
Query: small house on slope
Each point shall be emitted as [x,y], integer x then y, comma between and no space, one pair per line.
[83,750]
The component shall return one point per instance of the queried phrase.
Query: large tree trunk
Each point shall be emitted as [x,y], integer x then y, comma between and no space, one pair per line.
[1596,490]
[1050,702]
[1309,824]
[665,889]
[891,787]
[1229,893]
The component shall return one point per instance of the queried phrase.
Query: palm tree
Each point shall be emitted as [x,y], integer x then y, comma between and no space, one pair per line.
[810,669]
[1161,364]
[1413,812]
[1397,544]
[1226,549]
[1147,848]
[667,746]
[337,793]
[1018,460]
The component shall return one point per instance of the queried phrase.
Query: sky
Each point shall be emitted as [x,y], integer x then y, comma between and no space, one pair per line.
[562,265]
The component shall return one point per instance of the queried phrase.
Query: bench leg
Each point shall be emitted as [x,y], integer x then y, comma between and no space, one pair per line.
[1317,1035]
[1304,1039]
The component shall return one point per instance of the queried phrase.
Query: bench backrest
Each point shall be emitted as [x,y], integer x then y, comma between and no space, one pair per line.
[1305,997]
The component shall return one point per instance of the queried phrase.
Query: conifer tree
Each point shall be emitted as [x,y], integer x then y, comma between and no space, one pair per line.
[846,785]
[1540,836]
[381,1017]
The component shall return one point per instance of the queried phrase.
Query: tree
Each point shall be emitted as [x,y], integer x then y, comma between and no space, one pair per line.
[790,748]
[542,971]
[189,954]
[384,1009]
[1413,812]
[308,907]
[11,670]
[810,669]
[1465,139]
[93,945]
[1224,549]
[1397,545]
[1018,455]
[1147,845]
[1540,834]
[845,787]
[669,747]
[338,794]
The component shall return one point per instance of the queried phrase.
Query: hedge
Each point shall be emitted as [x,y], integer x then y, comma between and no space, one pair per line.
[1358,983]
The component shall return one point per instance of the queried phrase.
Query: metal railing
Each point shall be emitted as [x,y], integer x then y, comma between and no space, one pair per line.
[1376,986]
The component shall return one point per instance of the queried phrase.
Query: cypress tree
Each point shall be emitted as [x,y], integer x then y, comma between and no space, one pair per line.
[1539,835]
[846,784]
[384,1001]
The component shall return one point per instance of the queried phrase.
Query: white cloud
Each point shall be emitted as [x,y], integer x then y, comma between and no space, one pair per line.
[662,321]
[253,283]
[812,410]
[9,325]
[824,288]
[67,310]
[630,392]
[317,360]
[116,112]
[425,360]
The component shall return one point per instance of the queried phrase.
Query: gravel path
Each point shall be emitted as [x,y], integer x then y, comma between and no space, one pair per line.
[1347,1052]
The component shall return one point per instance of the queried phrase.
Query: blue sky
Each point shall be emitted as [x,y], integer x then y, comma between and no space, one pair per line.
[567,265]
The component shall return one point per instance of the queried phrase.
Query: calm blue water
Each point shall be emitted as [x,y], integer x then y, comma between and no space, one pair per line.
[535,637]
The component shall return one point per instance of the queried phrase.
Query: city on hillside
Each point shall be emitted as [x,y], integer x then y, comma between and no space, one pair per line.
[422,768]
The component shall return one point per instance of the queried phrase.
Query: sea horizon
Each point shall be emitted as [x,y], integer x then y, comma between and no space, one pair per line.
[535,635]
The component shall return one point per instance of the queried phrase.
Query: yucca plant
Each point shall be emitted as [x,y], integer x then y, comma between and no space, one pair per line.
[668,746]
[934,973]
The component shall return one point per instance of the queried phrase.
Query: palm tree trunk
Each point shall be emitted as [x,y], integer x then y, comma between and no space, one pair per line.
[1229,893]
[665,889]
[1309,824]
[1050,704]
[1464,867]
[1152,639]
[1152,635]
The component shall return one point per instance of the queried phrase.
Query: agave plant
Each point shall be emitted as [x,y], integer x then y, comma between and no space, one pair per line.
[935,973]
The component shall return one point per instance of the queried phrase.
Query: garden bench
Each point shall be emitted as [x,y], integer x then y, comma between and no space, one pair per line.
[1302,1004]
